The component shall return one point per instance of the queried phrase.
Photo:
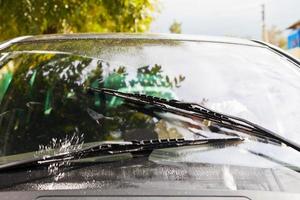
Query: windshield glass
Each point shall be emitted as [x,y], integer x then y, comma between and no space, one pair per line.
[42,88]
[45,110]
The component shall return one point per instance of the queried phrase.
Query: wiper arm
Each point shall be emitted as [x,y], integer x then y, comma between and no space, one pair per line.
[143,147]
[200,112]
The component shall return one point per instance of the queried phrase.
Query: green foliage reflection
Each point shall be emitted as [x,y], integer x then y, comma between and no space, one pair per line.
[46,98]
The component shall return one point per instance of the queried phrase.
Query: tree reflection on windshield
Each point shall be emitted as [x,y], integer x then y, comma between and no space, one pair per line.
[43,96]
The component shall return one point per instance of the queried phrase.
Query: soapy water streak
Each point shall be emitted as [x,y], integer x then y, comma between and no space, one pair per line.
[60,146]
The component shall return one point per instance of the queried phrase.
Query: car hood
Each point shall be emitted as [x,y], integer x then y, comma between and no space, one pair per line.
[240,167]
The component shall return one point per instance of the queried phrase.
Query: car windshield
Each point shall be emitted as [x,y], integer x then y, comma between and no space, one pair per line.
[48,117]
[42,89]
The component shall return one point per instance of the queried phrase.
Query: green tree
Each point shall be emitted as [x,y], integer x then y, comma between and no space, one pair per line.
[25,17]
[175,27]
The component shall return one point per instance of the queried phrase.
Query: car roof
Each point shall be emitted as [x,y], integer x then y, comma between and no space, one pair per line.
[127,36]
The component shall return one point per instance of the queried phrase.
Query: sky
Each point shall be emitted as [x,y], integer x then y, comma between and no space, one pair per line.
[238,18]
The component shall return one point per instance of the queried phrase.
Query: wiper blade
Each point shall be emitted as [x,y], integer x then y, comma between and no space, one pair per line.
[198,111]
[143,147]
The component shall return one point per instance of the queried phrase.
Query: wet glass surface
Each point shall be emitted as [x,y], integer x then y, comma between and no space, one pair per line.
[44,100]
[45,108]
[42,89]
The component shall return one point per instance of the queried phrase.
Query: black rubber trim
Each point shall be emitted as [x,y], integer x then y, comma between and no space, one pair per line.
[296,61]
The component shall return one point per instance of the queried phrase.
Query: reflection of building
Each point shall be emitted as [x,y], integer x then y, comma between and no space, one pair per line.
[294,39]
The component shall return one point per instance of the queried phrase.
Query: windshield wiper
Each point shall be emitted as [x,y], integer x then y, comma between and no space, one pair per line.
[198,111]
[136,148]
